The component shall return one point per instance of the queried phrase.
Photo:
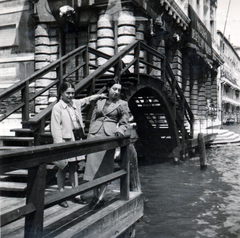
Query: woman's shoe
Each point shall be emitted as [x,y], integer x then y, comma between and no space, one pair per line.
[79,200]
[63,204]
[93,202]
[99,204]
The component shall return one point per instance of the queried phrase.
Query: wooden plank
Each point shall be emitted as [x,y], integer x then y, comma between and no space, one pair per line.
[14,229]
[125,180]
[57,197]
[16,214]
[9,204]
[10,147]
[13,186]
[35,195]
[110,221]
[33,156]
[14,138]
[18,173]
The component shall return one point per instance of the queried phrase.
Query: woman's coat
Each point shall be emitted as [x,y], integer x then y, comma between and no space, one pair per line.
[105,122]
[62,126]
[113,119]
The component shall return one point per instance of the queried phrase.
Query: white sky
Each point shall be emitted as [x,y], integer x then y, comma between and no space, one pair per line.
[233,21]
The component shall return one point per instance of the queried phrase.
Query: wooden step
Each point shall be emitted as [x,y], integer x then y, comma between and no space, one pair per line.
[2,148]
[15,138]
[18,173]
[13,186]
[16,141]
[15,176]
[23,132]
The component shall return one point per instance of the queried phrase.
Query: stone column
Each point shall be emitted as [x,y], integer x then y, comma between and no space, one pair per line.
[105,36]
[93,44]
[208,87]
[159,44]
[194,95]
[54,55]
[202,100]
[177,67]
[46,51]
[186,77]
[214,88]
[126,32]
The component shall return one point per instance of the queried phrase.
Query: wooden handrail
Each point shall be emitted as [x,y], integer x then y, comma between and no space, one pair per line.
[35,159]
[22,158]
[21,84]
[167,77]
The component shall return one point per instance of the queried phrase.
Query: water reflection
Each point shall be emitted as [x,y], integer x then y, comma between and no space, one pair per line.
[183,201]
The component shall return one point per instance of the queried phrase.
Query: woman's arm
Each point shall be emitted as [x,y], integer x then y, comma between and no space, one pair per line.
[124,118]
[56,125]
[93,117]
[86,101]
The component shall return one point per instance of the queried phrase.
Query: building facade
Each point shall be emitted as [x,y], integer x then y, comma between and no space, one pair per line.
[229,81]
[184,31]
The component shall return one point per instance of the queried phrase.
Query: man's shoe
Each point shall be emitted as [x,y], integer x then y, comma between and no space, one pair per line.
[63,204]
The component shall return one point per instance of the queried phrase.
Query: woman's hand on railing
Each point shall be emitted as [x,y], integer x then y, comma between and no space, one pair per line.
[118,134]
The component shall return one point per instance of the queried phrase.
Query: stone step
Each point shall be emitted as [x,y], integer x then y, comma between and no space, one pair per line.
[229,137]
[226,137]
[225,133]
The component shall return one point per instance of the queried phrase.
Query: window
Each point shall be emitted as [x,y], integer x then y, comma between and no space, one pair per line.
[9,35]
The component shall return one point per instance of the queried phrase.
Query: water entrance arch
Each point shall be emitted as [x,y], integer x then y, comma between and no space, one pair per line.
[155,116]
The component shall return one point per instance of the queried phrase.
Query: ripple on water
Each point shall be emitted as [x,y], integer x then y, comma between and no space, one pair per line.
[183,201]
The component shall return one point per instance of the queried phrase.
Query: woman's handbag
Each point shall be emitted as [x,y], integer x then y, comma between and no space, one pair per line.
[78,134]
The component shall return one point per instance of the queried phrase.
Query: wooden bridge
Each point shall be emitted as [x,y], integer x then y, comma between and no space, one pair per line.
[156,101]
[44,219]
[164,127]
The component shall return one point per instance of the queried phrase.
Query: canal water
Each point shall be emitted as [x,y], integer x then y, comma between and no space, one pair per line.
[182,201]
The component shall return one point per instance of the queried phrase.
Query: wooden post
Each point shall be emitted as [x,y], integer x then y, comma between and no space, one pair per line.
[202,151]
[25,99]
[35,195]
[125,181]
[136,64]
[86,59]
[135,184]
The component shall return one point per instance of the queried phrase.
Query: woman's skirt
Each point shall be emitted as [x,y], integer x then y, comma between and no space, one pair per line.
[100,163]
[61,164]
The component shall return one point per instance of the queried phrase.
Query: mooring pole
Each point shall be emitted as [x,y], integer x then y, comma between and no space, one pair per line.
[202,151]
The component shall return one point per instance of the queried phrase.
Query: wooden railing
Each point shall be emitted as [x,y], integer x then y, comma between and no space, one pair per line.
[35,160]
[89,81]
[59,66]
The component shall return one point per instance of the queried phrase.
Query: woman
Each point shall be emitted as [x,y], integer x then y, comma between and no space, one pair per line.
[110,117]
[67,125]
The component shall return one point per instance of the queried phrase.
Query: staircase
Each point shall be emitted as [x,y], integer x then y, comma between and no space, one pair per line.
[163,116]
[224,137]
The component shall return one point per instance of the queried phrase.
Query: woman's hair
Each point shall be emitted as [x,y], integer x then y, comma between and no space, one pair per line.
[64,86]
[111,82]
